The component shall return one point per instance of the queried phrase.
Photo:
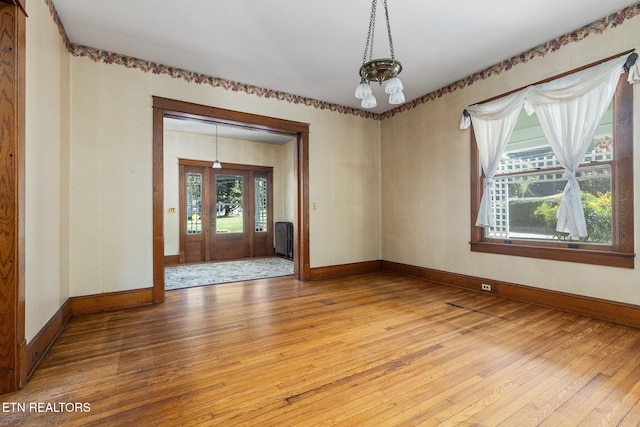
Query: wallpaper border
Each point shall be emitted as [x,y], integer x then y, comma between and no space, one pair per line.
[98,55]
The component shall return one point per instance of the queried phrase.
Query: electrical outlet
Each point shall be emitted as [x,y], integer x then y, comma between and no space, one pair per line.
[486,287]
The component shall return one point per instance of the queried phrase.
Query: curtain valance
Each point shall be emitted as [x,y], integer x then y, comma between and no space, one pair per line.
[564,88]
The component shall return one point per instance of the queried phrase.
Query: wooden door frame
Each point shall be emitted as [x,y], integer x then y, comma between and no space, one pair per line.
[165,107]
[13,349]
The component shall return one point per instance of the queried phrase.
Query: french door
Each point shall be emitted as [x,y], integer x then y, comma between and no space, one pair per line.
[226,213]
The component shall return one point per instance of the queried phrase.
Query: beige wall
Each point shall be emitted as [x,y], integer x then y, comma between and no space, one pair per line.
[111,166]
[47,169]
[426,168]
[184,145]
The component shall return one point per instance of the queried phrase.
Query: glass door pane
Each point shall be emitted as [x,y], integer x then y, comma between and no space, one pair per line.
[194,203]
[229,204]
[260,195]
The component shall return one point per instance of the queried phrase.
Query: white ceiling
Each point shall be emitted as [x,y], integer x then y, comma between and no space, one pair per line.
[224,131]
[314,48]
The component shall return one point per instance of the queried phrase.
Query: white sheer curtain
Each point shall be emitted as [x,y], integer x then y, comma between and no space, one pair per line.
[634,72]
[493,125]
[570,110]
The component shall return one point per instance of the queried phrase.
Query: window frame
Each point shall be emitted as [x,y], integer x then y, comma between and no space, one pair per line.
[621,251]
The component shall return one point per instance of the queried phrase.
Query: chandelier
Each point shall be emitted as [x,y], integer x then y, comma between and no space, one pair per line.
[379,70]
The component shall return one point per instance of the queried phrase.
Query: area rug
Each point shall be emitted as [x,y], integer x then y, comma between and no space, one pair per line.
[177,277]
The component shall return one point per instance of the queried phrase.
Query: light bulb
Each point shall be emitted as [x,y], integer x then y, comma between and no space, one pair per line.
[363,90]
[396,98]
[394,85]
[369,101]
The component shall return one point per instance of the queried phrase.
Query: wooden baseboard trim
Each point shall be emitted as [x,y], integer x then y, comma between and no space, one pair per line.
[171,260]
[612,311]
[42,342]
[111,301]
[33,353]
[319,273]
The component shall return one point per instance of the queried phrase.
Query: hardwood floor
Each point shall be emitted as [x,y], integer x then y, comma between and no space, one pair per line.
[374,350]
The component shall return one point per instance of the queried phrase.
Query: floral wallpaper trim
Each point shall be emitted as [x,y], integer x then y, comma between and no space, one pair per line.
[58,22]
[597,27]
[99,55]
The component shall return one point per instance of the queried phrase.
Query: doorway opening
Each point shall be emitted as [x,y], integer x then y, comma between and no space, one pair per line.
[164,108]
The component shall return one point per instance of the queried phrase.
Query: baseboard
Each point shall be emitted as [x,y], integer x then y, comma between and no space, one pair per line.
[111,301]
[38,347]
[612,311]
[42,342]
[171,260]
[318,273]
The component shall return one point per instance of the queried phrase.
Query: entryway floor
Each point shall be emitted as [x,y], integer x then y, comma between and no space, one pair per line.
[186,276]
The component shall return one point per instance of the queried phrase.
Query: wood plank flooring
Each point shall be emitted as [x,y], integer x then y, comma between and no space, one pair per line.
[372,350]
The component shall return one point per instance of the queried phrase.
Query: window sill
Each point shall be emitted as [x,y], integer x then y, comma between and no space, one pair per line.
[584,256]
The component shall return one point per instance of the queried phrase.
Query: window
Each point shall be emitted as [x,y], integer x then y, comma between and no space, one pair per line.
[529,182]
[194,203]
[229,204]
[528,185]
[260,193]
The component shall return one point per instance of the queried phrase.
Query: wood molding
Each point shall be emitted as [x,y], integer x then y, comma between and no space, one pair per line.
[158,205]
[620,253]
[171,260]
[111,301]
[42,342]
[612,311]
[302,254]
[164,107]
[19,3]
[623,132]
[528,250]
[12,194]
[20,193]
[319,273]
[204,113]
[34,352]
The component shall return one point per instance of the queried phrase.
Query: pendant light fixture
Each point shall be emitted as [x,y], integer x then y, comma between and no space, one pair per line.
[216,164]
[379,70]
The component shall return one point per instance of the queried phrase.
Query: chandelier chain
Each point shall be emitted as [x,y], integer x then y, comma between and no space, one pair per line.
[386,13]
[368,48]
